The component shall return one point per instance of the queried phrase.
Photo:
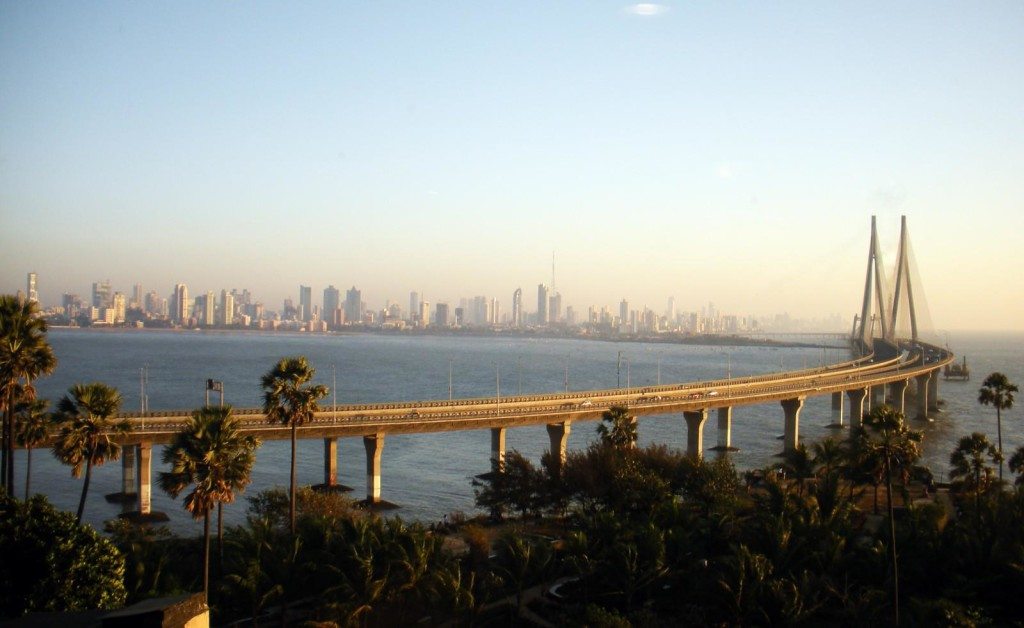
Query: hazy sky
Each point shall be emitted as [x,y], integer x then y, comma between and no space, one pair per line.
[711,151]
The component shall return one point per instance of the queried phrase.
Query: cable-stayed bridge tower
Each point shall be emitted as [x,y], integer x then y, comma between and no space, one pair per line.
[882,305]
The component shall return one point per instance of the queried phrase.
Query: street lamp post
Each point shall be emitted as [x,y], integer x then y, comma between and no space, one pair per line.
[449,379]
[566,373]
[217,386]
[618,371]
[497,385]
[334,391]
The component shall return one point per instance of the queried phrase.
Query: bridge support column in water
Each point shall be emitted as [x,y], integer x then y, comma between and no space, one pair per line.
[330,461]
[791,435]
[559,435]
[933,392]
[898,395]
[837,411]
[498,448]
[857,396]
[923,387]
[145,478]
[374,445]
[129,478]
[725,430]
[695,431]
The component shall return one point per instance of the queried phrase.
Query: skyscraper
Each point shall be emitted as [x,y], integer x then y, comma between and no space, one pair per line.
[209,310]
[441,315]
[138,299]
[102,296]
[33,294]
[305,303]
[353,305]
[332,301]
[555,308]
[120,304]
[542,304]
[227,307]
[179,304]
[414,306]
[517,308]
[623,312]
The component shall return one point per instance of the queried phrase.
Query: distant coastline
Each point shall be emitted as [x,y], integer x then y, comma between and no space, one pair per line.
[711,340]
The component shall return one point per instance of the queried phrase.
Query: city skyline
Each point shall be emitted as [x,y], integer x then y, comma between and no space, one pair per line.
[710,153]
[205,309]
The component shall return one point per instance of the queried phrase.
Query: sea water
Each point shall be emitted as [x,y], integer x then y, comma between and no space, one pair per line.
[430,475]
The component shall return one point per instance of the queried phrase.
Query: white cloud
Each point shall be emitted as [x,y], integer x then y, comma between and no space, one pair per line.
[646,9]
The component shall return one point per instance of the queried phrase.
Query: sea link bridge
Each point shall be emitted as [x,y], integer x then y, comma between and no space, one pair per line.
[889,369]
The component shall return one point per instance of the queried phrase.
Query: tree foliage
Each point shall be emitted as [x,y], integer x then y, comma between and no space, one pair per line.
[51,563]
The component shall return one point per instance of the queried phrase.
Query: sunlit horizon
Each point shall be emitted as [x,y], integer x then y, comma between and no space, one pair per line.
[714,154]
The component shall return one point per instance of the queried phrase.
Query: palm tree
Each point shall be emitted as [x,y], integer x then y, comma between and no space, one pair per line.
[33,428]
[970,465]
[24,356]
[288,401]
[997,391]
[829,456]
[897,447]
[1017,465]
[87,428]
[211,454]
[798,464]
[620,431]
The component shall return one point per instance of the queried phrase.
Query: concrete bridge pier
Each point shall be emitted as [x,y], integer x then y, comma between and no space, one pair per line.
[145,452]
[857,396]
[374,445]
[330,461]
[725,430]
[498,448]
[933,391]
[791,435]
[559,435]
[129,478]
[837,411]
[922,395]
[695,431]
[898,395]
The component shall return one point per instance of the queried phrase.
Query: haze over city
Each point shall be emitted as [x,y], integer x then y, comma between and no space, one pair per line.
[714,153]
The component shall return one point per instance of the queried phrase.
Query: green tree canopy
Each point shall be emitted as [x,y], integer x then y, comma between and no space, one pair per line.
[25,355]
[51,563]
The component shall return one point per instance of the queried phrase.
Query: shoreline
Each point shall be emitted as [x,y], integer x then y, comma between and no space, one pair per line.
[706,340]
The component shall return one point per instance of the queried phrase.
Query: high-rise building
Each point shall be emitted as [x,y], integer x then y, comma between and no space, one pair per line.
[441,315]
[332,301]
[209,311]
[494,312]
[542,304]
[102,296]
[138,299]
[555,308]
[424,313]
[414,306]
[353,305]
[305,303]
[71,304]
[624,312]
[179,304]
[120,305]
[33,294]
[227,307]
[517,308]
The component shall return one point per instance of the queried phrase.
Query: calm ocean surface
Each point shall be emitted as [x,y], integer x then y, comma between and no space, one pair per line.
[429,475]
